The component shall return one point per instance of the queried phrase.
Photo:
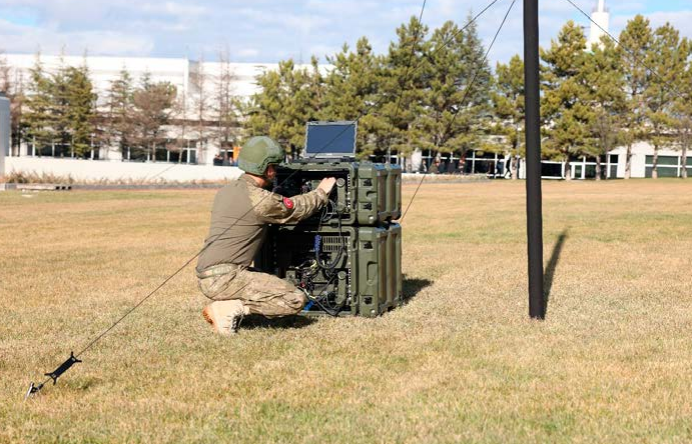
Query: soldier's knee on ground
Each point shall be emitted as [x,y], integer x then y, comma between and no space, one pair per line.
[291,303]
[298,300]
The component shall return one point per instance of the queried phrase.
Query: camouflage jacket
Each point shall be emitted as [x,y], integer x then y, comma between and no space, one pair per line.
[239,217]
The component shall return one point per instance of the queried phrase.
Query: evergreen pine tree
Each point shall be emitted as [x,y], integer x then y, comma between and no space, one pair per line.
[404,79]
[59,106]
[38,118]
[565,110]
[606,97]
[81,109]
[289,98]
[635,41]
[456,97]
[265,107]
[667,61]
[508,107]
[119,121]
[350,89]
[153,106]
[681,110]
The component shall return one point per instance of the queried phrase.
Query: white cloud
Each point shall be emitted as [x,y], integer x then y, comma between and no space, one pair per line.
[114,43]
[182,9]
[62,11]
[679,19]
[49,41]
[447,7]
[174,9]
[305,23]
[340,8]
[247,53]
[159,25]
[268,30]
[623,5]
[321,51]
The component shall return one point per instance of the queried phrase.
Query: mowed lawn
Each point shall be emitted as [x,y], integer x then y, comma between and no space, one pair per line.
[461,362]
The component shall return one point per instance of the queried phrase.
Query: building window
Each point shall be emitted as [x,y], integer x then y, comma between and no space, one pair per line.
[668,166]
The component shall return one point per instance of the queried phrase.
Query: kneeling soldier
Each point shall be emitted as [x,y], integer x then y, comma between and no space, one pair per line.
[239,220]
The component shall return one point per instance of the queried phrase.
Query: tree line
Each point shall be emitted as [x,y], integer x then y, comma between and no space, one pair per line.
[615,95]
[435,91]
[59,110]
[431,90]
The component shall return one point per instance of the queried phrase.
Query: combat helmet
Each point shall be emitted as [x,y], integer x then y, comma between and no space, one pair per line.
[258,153]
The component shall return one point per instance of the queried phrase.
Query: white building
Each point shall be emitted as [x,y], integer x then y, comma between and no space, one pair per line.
[104,70]
[599,26]
[188,76]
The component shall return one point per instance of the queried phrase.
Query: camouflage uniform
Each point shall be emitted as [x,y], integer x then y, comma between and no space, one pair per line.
[223,268]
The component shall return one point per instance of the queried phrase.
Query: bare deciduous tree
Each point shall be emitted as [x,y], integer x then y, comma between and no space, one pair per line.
[226,106]
[154,105]
[199,90]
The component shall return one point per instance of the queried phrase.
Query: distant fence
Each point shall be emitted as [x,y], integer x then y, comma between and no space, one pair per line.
[117,171]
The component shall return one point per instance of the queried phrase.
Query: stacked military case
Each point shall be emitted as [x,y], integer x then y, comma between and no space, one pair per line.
[348,256]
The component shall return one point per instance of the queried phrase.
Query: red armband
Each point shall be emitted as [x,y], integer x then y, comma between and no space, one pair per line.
[288,203]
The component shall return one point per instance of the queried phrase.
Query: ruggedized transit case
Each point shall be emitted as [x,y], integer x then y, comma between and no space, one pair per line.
[365,193]
[393,191]
[364,274]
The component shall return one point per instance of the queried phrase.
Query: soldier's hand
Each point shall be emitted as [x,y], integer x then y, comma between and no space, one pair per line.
[327,184]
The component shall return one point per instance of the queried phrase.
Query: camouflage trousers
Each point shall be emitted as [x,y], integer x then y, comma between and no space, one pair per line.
[262,293]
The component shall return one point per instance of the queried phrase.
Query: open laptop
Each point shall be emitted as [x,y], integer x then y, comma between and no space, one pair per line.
[330,140]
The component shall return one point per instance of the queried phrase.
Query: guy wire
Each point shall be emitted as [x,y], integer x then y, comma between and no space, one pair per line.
[463,98]
[365,112]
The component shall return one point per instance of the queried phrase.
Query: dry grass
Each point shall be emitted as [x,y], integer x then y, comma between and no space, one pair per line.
[460,363]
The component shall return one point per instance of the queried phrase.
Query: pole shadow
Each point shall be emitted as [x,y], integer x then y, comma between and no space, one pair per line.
[549,274]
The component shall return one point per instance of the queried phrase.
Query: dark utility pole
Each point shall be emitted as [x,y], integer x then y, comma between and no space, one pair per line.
[534,210]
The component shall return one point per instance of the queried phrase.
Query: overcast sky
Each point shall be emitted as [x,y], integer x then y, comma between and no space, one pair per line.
[273,30]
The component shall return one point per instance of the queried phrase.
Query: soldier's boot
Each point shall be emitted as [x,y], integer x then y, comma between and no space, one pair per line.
[225,316]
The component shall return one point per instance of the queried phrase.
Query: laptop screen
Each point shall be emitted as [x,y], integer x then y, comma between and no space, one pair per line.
[331,139]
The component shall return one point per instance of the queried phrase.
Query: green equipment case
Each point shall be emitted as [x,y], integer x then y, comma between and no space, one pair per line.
[365,194]
[393,191]
[347,257]
[345,270]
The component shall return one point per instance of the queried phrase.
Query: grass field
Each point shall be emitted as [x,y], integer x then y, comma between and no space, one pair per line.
[461,362]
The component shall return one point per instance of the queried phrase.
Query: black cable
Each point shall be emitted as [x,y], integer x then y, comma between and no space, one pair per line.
[463,98]
[143,181]
[329,212]
[326,269]
[342,247]
[324,296]
[325,309]
[477,72]
[90,344]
